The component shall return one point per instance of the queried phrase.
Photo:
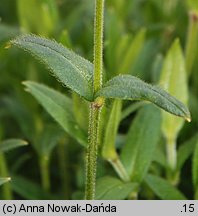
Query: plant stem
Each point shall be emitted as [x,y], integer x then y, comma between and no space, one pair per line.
[92,153]
[7,191]
[120,170]
[45,176]
[96,106]
[98,44]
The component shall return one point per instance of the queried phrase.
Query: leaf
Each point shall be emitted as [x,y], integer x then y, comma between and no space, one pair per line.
[195,166]
[109,188]
[59,107]
[174,81]
[108,148]
[131,88]
[4,180]
[10,144]
[141,142]
[70,69]
[132,52]
[28,190]
[163,189]
[185,150]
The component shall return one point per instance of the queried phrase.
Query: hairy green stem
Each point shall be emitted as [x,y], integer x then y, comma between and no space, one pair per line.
[45,176]
[120,170]
[92,152]
[7,191]
[98,44]
[96,106]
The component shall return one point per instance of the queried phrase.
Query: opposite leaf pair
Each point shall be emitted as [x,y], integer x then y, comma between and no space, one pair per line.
[76,73]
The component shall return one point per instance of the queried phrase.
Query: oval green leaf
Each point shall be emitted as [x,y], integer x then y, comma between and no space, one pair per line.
[128,87]
[70,69]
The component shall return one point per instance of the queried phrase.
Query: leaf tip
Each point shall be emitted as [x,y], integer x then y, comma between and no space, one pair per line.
[24,142]
[26,84]
[188,119]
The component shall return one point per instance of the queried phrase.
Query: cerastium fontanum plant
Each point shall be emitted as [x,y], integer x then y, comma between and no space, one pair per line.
[85,79]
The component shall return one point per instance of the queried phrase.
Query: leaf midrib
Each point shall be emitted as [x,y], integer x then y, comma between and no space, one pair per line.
[62,55]
[118,86]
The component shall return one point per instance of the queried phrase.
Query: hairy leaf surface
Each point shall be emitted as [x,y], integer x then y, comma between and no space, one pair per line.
[131,88]
[70,69]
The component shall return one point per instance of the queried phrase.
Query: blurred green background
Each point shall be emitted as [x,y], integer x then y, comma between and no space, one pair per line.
[138,35]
